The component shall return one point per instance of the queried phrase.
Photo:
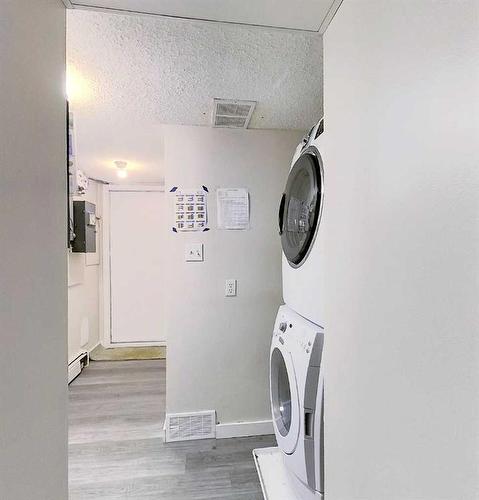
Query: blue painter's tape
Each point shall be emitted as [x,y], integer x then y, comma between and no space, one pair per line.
[173,189]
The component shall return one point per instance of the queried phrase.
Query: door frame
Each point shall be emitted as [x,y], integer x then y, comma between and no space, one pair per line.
[105,275]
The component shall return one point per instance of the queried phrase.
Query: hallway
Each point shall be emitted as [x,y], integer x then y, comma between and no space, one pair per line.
[116,447]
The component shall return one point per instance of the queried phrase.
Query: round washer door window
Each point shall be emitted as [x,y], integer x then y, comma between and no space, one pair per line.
[300,208]
[280,393]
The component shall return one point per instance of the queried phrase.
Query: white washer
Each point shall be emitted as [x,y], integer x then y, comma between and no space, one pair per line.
[297,395]
[299,222]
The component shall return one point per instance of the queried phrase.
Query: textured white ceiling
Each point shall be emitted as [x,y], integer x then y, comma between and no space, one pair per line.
[129,74]
[300,14]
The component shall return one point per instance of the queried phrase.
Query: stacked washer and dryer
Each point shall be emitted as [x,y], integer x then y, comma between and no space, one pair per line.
[296,378]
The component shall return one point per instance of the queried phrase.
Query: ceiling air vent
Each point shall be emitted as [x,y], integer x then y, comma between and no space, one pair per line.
[232,114]
[186,426]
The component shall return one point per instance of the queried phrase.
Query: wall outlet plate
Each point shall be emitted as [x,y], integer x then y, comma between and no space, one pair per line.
[194,252]
[230,288]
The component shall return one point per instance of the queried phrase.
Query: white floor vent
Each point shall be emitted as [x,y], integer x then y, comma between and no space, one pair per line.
[187,426]
[232,114]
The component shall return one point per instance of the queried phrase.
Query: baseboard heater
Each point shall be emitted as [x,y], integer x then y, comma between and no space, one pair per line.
[77,365]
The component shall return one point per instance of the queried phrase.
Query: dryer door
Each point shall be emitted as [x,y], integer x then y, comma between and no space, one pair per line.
[284,400]
[301,205]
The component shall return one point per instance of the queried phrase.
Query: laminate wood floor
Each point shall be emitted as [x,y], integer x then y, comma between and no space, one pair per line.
[116,448]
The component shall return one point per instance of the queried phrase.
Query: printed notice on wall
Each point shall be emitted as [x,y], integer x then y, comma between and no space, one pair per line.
[232,208]
[190,209]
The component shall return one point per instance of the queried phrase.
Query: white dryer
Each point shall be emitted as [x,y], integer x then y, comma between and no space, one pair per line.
[299,221]
[297,395]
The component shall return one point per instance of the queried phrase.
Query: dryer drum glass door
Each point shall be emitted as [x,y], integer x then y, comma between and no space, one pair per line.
[280,393]
[300,208]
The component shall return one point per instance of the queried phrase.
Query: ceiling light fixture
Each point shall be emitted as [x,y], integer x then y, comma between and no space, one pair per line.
[121,168]
[78,88]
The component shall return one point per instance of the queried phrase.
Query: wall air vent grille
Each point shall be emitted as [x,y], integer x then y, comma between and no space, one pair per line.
[187,426]
[232,114]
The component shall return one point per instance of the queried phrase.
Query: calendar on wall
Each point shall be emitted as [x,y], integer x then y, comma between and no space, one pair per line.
[190,209]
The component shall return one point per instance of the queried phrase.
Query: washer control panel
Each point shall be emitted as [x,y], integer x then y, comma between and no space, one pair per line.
[292,327]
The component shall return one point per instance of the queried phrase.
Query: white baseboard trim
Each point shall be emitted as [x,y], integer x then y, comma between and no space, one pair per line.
[94,347]
[82,351]
[111,345]
[244,429]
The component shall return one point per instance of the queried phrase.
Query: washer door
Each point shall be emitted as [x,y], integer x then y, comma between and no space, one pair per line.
[284,400]
[301,205]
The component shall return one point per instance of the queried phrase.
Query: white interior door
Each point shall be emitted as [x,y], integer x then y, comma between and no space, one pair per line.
[136,266]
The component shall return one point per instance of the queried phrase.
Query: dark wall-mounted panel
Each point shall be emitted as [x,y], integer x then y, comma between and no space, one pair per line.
[84,227]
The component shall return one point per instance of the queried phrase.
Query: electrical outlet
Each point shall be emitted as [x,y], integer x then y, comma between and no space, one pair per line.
[230,288]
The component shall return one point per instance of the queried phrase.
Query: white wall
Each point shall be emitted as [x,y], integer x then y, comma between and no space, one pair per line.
[83,287]
[400,236]
[218,348]
[33,269]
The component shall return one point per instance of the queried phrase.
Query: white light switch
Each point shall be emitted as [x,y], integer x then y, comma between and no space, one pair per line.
[230,288]
[194,252]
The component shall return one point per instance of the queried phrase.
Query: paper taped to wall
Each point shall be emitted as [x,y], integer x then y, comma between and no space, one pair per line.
[232,208]
[190,209]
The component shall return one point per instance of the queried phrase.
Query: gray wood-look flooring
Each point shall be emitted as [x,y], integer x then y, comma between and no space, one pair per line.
[116,447]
